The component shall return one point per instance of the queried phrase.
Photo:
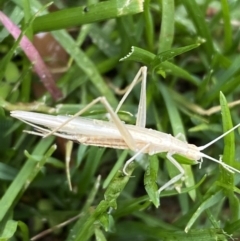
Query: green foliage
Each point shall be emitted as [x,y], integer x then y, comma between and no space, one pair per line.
[191,49]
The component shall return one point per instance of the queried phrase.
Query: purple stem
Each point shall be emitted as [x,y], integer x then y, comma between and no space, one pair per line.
[33,55]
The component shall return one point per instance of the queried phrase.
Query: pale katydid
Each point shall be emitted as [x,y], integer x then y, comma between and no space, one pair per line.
[116,134]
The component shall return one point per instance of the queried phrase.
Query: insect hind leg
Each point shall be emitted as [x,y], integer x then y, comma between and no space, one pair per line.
[127,137]
[141,114]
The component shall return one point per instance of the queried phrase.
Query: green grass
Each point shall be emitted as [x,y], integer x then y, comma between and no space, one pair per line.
[193,65]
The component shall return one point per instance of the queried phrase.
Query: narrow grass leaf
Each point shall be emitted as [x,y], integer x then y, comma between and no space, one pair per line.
[229,140]
[209,201]
[232,227]
[179,72]
[227,25]
[116,167]
[226,177]
[139,55]
[84,63]
[16,15]
[128,207]
[86,14]
[24,177]
[8,230]
[227,80]
[198,20]
[7,172]
[139,204]
[155,233]
[149,25]
[150,179]
[92,162]
[99,235]
[167,26]
[24,231]
[113,191]
[39,165]
[145,57]
[169,54]
[33,55]
[103,42]
[174,116]
[84,214]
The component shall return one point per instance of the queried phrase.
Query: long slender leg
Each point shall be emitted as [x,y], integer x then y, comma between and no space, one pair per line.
[176,178]
[119,124]
[141,115]
[133,158]
[142,106]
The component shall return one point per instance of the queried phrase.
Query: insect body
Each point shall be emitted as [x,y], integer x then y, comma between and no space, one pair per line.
[116,134]
[105,134]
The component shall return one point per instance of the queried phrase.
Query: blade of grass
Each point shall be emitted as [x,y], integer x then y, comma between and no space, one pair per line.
[150,179]
[227,25]
[86,14]
[149,25]
[84,63]
[167,26]
[113,191]
[26,82]
[209,200]
[227,80]
[155,233]
[160,61]
[8,230]
[226,177]
[16,16]
[198,19]
[116,167]
[25,176]
[91,165]
[229,140]
[32,54]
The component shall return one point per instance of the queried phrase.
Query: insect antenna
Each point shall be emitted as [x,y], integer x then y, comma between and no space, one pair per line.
[229,168]
[218,138]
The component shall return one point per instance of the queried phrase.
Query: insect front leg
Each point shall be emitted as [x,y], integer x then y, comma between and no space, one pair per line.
[176,178]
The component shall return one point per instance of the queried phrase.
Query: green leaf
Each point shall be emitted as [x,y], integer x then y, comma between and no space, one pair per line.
[167,26]
[99,235]
[198,18]
[226,177]
[169,54]
[8,230]
[150,179]
[139,55]
[25,176]
[86,14]
[84,63]
[209,201]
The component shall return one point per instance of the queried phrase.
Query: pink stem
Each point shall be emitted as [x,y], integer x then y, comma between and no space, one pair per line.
[33,55]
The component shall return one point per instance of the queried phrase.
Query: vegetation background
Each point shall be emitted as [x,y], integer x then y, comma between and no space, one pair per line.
[191,49]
